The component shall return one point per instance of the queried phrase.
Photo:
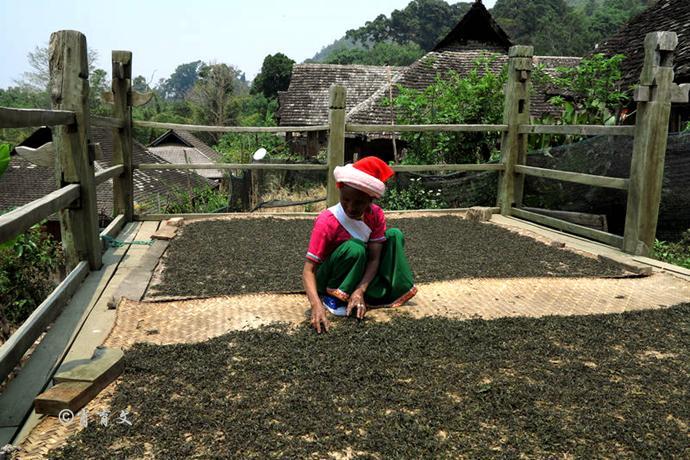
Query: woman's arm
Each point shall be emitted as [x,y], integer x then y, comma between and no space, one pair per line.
[318,313]
[357,298]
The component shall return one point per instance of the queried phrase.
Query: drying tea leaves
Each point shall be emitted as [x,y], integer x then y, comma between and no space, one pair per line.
[211,258]
[555,387]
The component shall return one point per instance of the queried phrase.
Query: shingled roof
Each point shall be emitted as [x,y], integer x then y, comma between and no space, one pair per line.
[423,73]
[476,30]
[306,100]
[184,147]
[664,15]
[476,36]
[24,181]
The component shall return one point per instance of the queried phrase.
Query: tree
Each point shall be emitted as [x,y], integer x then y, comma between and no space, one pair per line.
[475,98]
[38,78]
[275,74]
[140,84]
[423,22]
[385,53]
[181,81]
[211,94]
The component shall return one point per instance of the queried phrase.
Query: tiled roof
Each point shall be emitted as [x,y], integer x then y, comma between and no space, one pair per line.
[423,72]
[306,100]
[180,154]
[476,30]
[24,182]
[184,147]
[664,15]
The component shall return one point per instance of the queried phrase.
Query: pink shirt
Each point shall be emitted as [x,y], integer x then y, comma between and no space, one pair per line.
[328,234]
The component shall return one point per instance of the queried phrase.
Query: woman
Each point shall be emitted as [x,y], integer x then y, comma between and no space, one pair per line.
[353,261]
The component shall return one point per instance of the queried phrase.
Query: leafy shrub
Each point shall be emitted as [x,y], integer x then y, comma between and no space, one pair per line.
[475,98]
[414,196]
[28,273]
[197,200]
[677,253]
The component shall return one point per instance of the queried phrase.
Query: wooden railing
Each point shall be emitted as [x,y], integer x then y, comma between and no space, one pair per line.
[643,186]
[75,199]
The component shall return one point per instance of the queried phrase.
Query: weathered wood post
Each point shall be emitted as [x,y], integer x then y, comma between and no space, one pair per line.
[123,185]
[515,112]
[336,138]
[69,90]
[653,97]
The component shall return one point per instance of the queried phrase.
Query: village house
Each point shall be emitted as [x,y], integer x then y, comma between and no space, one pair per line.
[24,181]
[666,15]
[370,89]
[176,146]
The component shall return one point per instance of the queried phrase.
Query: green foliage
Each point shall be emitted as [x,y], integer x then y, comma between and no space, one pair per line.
[203,199]
[385,53]
[274,76]
[181,81]
[28,266]
[677,253]
[594,96]
[423,22]
[476,98]
[414,196]
[560,27]
[4,157]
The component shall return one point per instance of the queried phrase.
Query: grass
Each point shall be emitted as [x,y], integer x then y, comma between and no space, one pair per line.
[267,255]
[556,387]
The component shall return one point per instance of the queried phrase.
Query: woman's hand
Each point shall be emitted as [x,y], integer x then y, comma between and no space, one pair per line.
[357,302]
[318,318]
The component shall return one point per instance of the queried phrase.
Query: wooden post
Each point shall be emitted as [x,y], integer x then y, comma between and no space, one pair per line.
[515,112]
[649,147]
[312,144]
[123,186]
[336,139]
[69,90]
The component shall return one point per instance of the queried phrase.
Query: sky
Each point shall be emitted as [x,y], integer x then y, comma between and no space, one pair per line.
[163,34]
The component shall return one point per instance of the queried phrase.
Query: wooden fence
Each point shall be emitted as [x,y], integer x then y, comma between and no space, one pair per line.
[75,199]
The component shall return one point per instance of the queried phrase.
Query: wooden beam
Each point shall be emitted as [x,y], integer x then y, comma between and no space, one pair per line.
[69,90]
[649,145]
[109,173]
[229,129]
[516,110]
[578,178]
[597,235]
[359,128]
[123,185]
[680,93]
[225,166]
[28,118]
[22,339]
[107,122]
[583,130]
[595,221]
[263,215]
[449,167]
[336,139]
[42,156]
[21,219]
[113,229]
[138,99]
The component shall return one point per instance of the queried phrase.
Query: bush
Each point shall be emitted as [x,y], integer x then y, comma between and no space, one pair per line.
[197,200]
[28,273]
[677,253]
[414,196]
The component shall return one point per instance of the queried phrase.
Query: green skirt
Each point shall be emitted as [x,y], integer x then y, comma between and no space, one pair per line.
[342,271]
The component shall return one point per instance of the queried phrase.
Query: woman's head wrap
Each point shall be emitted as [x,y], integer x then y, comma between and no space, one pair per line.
[367,175]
